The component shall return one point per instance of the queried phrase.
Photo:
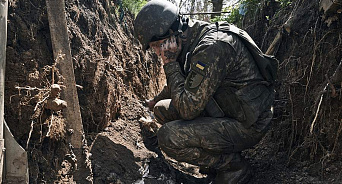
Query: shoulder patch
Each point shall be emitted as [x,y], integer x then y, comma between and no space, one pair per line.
[200,65]
[197,73]
[193,81]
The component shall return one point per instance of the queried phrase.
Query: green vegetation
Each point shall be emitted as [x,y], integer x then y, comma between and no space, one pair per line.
[122,7]
[133,6]
[238,11]
[284,3]
[233,17]
[246,7]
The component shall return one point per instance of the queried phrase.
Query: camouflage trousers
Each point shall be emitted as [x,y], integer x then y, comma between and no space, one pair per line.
[204,141]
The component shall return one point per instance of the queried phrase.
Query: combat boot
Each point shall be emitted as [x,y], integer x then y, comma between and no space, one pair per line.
[210,172]
[238,172]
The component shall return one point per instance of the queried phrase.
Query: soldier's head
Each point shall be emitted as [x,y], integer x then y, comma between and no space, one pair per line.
[158,20]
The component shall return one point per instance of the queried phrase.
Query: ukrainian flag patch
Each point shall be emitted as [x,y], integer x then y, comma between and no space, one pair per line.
[200,65]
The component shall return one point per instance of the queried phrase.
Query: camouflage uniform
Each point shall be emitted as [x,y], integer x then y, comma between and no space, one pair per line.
[216,102]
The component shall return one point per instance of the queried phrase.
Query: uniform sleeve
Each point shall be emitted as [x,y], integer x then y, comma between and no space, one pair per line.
[191,93]
[164,94]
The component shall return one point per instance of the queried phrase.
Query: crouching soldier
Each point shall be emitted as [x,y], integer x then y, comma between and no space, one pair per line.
[219,93]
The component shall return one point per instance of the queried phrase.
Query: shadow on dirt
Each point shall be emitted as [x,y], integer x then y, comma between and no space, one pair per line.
[113,159]
[165,167]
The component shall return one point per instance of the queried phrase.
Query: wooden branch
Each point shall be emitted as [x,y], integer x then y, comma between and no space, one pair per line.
[336,78]
[332,87]
[204,13]
[275,44]
[62,51]
[29,136]
[287,26]
[317,111]
[273,48]
[31,88]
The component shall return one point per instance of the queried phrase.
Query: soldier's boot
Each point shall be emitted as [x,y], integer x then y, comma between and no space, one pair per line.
[238,172]
[210,172]
[207,170]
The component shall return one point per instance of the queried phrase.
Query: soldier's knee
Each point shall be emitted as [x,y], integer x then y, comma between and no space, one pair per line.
[156,108]
[163,136]
[168,141]
[160,111]
[168,137]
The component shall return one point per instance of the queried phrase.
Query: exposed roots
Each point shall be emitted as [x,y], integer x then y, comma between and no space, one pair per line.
[42,96]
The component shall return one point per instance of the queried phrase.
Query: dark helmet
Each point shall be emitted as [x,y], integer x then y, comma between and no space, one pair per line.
[154,21]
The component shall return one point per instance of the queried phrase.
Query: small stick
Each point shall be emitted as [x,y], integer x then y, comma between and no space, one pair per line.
[205,13]
[31,88]
[333,90]
[53,74]
[29,137]
[48,133]
[336,76]
[317,111]
[32,122]
[37,105]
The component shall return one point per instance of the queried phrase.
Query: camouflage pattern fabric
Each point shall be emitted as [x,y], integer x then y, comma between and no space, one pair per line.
[214,66]
[165,112]
[205,141]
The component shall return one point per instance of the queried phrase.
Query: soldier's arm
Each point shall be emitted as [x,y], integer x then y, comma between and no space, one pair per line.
[164,94]
[208,66]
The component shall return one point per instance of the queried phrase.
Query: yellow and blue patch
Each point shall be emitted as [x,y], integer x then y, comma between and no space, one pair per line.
[200,65]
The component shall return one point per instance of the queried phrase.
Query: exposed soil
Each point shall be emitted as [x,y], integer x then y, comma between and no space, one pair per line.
[116,77]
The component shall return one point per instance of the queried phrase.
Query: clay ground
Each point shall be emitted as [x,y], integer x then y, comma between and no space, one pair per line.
[116,76]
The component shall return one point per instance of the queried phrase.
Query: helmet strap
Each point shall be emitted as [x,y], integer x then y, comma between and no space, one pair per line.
[185,23]
[182,25]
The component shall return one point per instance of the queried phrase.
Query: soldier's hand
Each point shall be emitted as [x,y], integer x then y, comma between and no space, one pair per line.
[150,104]
[170,50]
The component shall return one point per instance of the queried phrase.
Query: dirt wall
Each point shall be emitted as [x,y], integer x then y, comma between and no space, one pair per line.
[109,67]
[308,55]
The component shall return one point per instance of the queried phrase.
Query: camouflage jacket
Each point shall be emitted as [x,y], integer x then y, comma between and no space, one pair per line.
[216,70]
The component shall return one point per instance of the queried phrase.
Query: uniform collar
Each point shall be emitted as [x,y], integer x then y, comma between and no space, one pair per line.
[194,30]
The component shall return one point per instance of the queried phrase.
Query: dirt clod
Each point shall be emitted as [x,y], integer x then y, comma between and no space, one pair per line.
[55,104]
